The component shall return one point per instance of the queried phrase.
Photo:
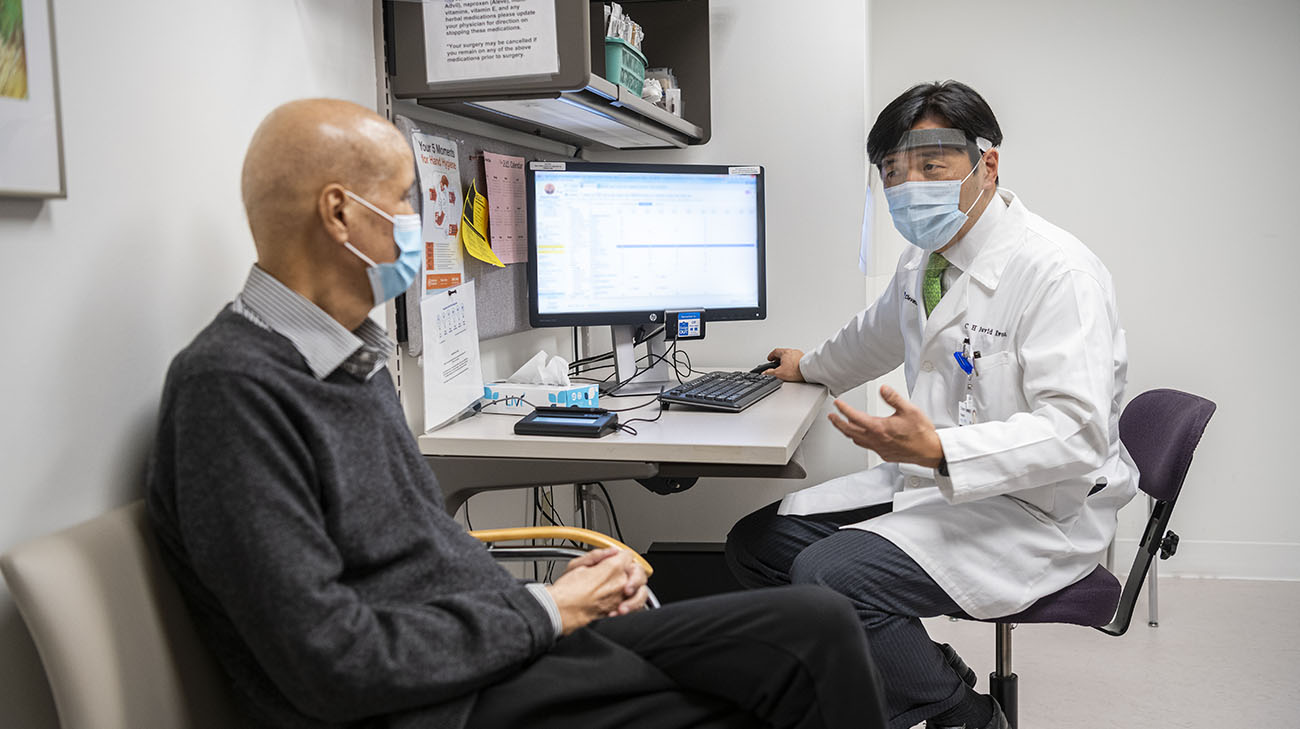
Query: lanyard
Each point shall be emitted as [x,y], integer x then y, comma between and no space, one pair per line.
[968,363]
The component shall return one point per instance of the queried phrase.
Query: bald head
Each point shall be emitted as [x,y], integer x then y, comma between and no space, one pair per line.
[299,149]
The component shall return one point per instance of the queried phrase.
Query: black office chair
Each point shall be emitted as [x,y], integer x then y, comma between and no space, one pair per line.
[1161,429]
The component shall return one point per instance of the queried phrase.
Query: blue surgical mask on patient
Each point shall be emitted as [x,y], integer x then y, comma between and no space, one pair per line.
[387,280]
[928,213]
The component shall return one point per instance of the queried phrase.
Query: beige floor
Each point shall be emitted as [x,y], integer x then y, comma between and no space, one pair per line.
[1226,656]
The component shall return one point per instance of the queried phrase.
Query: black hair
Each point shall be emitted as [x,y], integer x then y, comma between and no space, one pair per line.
[955,102]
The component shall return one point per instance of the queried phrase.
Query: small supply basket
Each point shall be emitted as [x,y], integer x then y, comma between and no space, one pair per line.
[624,65]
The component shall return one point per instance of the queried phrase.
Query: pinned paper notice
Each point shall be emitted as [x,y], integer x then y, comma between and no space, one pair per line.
[505,188]
[480,40]
[474,226]
[453,377]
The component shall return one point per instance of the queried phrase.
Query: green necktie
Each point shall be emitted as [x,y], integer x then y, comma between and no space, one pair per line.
[932,285]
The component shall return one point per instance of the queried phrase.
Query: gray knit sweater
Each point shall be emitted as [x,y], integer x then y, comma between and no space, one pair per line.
[310,542]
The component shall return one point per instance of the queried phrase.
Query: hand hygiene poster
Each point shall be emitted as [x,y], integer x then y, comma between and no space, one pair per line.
[436,158]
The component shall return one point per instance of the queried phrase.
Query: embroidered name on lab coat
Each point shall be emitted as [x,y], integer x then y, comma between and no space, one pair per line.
[977,329]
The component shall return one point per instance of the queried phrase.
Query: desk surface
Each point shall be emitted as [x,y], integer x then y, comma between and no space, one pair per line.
[767,433]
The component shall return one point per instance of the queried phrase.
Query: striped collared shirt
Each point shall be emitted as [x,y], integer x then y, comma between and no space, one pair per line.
[324,343]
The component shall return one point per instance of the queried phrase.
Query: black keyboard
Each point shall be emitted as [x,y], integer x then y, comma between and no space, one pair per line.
[730,391]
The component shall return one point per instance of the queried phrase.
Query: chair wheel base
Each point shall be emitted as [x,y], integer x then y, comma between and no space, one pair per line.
[1003,690]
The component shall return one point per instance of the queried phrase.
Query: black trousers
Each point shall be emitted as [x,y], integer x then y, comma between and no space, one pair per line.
[791,657]
[889,591]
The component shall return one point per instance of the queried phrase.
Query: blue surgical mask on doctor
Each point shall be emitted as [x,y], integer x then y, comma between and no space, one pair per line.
[387,280]
[928,212]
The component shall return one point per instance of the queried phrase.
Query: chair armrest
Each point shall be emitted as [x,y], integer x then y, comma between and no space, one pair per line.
[573,534]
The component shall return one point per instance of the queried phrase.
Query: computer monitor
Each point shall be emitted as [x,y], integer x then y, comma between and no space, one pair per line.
[621,244]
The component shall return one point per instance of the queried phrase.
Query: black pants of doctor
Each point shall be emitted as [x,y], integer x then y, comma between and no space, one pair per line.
[887,588]
[791,657]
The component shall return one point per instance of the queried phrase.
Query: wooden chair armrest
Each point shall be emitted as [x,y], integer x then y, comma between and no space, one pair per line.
[573,534]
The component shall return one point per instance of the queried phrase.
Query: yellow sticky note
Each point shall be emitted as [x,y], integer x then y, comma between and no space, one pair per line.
[474,227]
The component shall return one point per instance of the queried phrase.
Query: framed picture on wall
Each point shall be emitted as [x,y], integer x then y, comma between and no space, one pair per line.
[31,141]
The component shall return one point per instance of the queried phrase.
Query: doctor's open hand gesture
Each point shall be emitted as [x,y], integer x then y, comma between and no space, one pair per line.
[907,436]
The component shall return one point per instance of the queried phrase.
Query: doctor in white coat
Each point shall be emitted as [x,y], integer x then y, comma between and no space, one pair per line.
[1004,470]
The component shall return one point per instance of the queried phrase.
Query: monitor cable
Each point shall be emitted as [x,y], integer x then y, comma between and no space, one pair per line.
[656,359]
[636,342]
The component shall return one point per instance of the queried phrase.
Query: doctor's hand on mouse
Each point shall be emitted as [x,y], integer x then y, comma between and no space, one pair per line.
[783,363]
[907,436]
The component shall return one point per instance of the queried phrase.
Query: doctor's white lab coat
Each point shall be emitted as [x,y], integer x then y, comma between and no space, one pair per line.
[1013,521]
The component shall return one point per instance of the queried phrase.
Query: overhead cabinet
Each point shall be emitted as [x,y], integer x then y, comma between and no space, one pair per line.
[574,104]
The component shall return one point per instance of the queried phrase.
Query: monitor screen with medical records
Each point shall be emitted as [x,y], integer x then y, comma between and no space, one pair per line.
[620,244]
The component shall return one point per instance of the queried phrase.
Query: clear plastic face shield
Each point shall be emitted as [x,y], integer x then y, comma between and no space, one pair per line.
[927,180]
[930,155]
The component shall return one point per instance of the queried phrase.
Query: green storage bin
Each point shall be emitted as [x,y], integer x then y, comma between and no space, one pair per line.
[624,65]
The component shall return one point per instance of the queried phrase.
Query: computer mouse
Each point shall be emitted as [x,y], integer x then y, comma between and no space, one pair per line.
[769,365]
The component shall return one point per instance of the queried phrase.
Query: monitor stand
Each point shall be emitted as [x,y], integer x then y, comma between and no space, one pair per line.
[658,379]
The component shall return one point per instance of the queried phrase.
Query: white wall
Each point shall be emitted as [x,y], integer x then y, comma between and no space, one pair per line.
[100,290]
[788,93]
[1160,133]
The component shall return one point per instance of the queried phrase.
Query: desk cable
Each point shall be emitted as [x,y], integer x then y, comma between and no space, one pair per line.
[578,363]
[680,359]
[672,352]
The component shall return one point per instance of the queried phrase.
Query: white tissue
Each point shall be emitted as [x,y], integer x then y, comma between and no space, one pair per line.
[537,371]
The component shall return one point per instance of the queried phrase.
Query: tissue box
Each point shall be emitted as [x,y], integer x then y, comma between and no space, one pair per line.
[512,396]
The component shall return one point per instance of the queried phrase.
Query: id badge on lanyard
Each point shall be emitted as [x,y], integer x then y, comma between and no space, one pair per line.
[966,410]
[967,362]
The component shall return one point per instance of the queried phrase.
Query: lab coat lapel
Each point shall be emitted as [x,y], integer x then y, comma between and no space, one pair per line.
[918,280]
[950,308]
[1005,239]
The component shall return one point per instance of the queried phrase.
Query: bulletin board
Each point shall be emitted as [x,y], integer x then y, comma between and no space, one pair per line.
[501,294]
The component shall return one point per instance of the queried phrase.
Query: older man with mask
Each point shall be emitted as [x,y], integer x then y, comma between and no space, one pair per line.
[309,538]
[1004,470]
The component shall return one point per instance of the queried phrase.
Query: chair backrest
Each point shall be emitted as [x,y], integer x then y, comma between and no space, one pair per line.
[1160,429]
[112,631]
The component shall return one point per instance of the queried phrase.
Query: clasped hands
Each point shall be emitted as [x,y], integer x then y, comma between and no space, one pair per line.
[907,436]
[601,583]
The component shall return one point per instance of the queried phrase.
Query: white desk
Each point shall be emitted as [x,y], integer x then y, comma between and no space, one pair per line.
[483,453]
